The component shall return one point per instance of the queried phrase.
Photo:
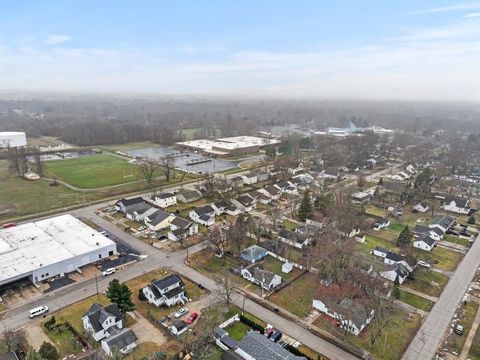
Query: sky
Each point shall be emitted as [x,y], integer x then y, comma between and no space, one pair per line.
[338,49]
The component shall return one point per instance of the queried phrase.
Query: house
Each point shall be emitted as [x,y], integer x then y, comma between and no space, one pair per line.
[272,192]
[263,278]
[159,220]
[122,204]
[237,181]
[352,315]
[360,197]
[181,228]
[245,203]
[123,341]
[299,183]
[424,242]
[249,179]
[421,207]
[283,185]
[253,253]
[164,200]
[317,219]
[168,291]
[406,260]
[178,327]
[294,238]
[434,233]
[188,195]
[98,320]
[287,267]
[329,174]
[139,212]
[260,197]
[397,272]
[391,187]
[381,223]
[256,346]
[225,207]
[261,176]
[442,222]
[380,252]
[456,204]
[204,215]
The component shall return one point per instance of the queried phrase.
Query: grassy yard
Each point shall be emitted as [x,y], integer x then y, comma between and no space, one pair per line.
[94,171]
[373,241]
[374,211]
[297,297]
[397,227]
[427,282]
[442,259]
[145,350]
[275,266]
[237,330]
[474,352]
[415,300]
[454,342]
[64,340]
[289,225]
[457,240]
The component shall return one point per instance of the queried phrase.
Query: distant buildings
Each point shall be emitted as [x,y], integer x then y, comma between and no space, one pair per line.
[12,139]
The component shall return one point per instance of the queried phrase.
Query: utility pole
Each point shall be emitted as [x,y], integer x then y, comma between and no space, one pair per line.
[96,282]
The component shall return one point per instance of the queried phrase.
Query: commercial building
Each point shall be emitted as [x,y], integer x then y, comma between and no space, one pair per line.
[51,247]
[231,146]
[12,139]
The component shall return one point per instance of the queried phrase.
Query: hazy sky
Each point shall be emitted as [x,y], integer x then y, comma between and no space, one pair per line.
[397,49]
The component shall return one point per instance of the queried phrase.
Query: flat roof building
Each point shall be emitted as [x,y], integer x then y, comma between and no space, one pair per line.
[12,139]
[51,247]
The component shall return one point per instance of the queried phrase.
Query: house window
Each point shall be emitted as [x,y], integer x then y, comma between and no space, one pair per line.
[110,253]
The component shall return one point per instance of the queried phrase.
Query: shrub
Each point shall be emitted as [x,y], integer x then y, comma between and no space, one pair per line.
[252,324]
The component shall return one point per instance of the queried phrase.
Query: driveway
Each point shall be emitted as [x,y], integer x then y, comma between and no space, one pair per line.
[35,335]
[145,331]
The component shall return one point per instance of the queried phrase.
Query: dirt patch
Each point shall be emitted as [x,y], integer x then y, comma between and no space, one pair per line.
[35,335]
[146,331]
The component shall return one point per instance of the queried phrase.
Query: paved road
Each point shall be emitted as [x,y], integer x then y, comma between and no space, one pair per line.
[428,338]
[157,259]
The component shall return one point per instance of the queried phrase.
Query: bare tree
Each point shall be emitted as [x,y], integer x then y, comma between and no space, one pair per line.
[168,164]
[238,231]
[228,287]
[209,181]
[147,169]
[217,239]
[37,158]
[274,214]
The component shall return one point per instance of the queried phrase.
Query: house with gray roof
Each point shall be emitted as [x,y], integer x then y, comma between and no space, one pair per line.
[442,222]
[159,220]
[263,278]
[168,291]
[255,346]
[99,320]
[188,195]
[457,204]
[253,253]
[204,215]
[138,212]
[123,340]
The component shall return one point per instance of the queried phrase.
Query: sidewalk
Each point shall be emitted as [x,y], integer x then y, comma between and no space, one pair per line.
[471,335]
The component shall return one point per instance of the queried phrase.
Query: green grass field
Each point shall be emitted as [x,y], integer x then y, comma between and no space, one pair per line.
[94,171]
[415,300]
[427,282]
[374,211]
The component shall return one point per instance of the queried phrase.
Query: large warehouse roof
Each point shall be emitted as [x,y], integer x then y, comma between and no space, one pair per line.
[30,246]
[230,143]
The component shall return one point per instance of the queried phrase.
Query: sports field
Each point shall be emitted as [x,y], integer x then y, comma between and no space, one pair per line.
[94,171]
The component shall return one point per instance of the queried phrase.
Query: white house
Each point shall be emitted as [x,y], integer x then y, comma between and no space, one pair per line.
[424,242]
[456,204]
[434,233]
[168,291]
[296,239]
[159,220]
[271,191]
[381,223]
[420,207]
[122,204]
[396,272]
[225,207]
[139,212]
[380,252]
[249,179]
[204,215]
[164,200]
[181,228]
[99,320]
[261,277]
[245,203]
[351,315]
[442,222]
[178,327]
[123,341]
[393,259]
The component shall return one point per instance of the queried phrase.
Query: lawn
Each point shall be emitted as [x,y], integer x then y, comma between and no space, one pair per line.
[275,266]
[474,352]
[146,350]
[457,240]
[397,227]
[375,211]
[415,300]
[440,258]
[454,342]
[392,342]
[427,282]
[289,225]
[64,340]
[297,297]
[94,171]
[237,330]
[373,241]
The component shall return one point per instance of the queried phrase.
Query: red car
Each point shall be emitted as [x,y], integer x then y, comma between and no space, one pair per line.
[193,316]
[9,225]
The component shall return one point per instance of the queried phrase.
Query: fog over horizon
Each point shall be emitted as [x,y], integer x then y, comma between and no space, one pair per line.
[411,51]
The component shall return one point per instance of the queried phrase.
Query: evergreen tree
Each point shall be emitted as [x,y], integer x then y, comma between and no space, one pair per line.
[48,352]
[404,237]
[305,207]
[121,295]
[471,220]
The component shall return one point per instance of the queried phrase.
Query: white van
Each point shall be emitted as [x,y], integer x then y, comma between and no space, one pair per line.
[38,311]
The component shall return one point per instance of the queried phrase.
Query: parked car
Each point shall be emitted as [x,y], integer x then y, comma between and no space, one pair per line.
[9,225]
[180,313]
[193,316]
[424,264]
[108,271]
[459,329]
[38,311]
[104,233]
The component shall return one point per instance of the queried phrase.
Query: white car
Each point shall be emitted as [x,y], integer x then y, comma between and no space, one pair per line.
[104,233]
[38,311]
[108,271]
[180,313]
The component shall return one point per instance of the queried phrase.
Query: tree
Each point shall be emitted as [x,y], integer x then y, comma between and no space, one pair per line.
[121,295]
[228,287]
[271,152]
[274,214]
[217,239]
[168,164]
[404,237]
[32,354]
[305,210]
[147,169]
[48,352]
[471,220]
[37,158]
[380,182]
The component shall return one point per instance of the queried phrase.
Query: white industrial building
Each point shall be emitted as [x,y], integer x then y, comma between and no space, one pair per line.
[51,247]
[12,139]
